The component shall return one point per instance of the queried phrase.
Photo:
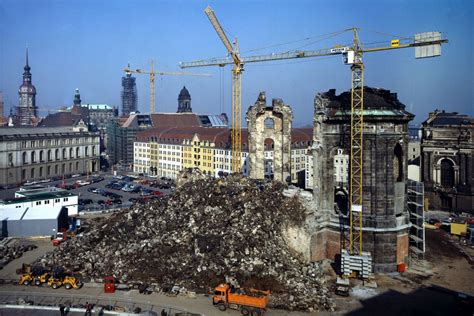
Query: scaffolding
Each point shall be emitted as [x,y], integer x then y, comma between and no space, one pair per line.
[129,94]
[415,198]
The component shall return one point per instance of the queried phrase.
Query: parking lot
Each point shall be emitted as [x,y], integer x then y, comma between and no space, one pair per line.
[105,191]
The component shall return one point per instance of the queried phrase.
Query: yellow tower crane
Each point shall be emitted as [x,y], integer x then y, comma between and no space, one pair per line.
[152,72]
[426,44]
[236,90]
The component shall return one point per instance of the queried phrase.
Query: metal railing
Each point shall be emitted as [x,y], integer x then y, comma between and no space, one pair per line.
[79,301]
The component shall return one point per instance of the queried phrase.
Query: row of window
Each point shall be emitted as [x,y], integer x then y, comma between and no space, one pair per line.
[33,157]
[55,200]
[46,172]
[55,142]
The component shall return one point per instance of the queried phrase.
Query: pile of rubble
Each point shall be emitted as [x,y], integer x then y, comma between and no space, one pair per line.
[13,250]
[207,232]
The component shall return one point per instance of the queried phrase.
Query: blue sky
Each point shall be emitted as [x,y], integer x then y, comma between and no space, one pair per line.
[86,44]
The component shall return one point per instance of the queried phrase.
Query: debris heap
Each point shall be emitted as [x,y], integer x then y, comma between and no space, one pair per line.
[13,251]
[208,232]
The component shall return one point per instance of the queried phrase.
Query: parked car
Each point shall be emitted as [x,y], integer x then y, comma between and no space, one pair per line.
[146,192]
[84,201]
[97,179]
[117,201]
[92,190]
[101,202]
[82,182]
[434,221]
[133,200]
[76,175]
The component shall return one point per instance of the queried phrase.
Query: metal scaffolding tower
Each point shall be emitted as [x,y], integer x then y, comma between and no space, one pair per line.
[415,198]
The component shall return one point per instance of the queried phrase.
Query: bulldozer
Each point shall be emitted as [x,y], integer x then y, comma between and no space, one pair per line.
[60,278]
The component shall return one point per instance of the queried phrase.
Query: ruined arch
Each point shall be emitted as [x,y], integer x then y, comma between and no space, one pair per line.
[269,122]
[398,163]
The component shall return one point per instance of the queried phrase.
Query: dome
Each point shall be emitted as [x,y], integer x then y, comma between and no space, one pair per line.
[27,88]
[184,94]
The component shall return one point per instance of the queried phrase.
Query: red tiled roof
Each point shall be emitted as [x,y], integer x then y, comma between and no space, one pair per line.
[60,119]
[175,119]
[221,137]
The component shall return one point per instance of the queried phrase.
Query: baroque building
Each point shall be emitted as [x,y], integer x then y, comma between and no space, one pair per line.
[385,220]
[447,161]
[31,154]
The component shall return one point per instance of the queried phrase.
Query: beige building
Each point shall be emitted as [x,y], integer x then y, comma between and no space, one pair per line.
[31,154]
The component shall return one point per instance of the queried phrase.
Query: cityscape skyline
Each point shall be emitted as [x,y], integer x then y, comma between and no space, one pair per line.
[69,49]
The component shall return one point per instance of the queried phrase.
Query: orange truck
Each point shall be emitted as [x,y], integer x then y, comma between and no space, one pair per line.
[248,301]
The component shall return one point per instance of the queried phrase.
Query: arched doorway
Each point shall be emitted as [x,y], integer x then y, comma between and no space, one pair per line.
[269,154]
[447,173]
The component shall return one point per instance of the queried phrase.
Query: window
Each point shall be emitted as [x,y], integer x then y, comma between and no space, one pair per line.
[46,202]
[269,123]
[447,173]
[33,157]
[38,202]
[398,163]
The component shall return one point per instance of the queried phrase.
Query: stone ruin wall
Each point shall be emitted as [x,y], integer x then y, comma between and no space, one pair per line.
[385,222]
[282,117]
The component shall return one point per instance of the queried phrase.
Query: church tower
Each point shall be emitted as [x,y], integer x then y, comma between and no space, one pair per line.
[184,101]
[27,110]
[77,98]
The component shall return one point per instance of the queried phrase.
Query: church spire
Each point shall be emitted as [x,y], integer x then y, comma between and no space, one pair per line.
[26,73]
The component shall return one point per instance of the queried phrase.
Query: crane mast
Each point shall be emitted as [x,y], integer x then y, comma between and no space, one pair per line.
[236,90]
[357,143]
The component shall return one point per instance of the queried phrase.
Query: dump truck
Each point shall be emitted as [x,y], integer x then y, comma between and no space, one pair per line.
[248,301]
[60,278]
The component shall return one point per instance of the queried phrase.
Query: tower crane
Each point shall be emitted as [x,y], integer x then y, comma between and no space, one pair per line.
[152,72]
[426,44]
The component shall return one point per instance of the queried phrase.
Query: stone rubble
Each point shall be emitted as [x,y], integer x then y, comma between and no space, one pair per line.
[13,250]
[208,231]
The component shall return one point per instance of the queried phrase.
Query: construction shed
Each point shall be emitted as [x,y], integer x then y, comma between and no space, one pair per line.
[38,221]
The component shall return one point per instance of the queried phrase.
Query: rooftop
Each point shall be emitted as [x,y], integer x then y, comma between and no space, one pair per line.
[442,118]
[37,197]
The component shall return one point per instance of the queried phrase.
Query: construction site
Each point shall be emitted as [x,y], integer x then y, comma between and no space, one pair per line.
[258,244]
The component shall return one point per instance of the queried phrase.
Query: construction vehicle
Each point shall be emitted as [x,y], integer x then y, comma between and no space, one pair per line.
[60,278]
[26,276]
[248,301]
[60,237]
[152,74]
[36,275]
